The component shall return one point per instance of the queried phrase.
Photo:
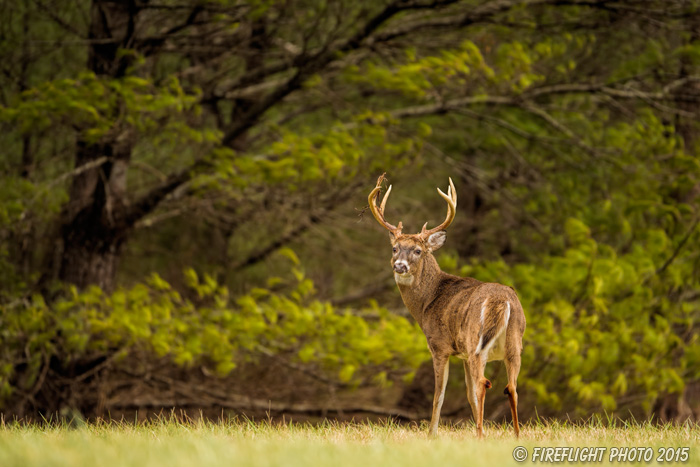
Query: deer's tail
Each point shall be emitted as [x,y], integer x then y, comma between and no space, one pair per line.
[494,320]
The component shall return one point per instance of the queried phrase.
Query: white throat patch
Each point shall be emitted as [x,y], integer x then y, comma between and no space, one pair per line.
[403,279]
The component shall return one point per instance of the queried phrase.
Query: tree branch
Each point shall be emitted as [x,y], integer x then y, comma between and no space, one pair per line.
[309,63]
[557,125]
[679,247]
[266,251]
[204,396]
[150,200]
[58,20]
[479,14]
[574,88]
[379,285]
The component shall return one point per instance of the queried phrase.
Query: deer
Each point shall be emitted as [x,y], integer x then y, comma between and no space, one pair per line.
[476,321]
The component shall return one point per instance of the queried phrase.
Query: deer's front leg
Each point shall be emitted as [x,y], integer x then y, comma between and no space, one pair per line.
[441,368]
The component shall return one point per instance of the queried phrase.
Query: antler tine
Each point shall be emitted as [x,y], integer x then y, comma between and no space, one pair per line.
[386,197]
[451,199]
[451,192]
[378,211]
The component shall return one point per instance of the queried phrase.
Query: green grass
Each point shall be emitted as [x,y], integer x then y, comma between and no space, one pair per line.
[194,443]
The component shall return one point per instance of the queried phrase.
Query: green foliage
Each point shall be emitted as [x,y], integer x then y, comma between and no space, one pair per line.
[338,153]
[609,282]
[600,325]
[99,107]
[418,76]
[584,198]
[605,215]
[210,328]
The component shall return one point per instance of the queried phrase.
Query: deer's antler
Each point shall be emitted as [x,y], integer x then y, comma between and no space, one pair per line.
[378,211]
[451,198]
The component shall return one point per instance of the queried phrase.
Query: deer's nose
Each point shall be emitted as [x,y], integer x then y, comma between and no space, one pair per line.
[400,267]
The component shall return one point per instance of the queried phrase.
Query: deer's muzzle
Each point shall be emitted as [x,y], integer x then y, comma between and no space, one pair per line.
[400,267]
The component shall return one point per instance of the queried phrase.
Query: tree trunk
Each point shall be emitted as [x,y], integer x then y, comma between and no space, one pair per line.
[93,228]
[93,222]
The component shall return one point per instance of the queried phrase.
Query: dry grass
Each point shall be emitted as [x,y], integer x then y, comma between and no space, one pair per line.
[170,442]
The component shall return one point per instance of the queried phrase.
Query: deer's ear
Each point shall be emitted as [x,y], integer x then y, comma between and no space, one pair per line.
[392,237]
[436,240]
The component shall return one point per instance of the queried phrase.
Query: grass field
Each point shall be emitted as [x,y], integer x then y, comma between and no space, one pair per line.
[174,443]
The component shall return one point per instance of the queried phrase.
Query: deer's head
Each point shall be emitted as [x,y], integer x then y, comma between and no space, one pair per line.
[410,250]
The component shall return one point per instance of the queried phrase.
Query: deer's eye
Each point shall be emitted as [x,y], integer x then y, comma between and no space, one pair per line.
[394,249]
[417,252]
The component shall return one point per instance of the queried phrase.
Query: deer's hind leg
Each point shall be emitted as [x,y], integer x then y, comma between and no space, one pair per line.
[479,386]
[512,363]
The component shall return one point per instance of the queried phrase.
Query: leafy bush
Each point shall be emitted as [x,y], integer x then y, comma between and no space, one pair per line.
[603,330]
[209,327]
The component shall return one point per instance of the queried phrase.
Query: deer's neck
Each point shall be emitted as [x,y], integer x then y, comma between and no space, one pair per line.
[423,289]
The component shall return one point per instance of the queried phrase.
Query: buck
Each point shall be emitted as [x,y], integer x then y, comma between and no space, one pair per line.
[476,321]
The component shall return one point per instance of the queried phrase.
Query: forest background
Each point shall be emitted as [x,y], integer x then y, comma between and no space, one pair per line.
[183,192]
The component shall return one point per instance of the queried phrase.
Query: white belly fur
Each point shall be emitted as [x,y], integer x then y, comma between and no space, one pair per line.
[498,351]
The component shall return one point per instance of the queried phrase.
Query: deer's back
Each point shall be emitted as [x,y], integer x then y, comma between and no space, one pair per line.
[453,319]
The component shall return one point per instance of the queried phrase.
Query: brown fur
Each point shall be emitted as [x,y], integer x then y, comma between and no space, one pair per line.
[461,316]
[448,310]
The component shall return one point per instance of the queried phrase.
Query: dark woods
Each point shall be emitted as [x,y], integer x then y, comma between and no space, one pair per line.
[181,183]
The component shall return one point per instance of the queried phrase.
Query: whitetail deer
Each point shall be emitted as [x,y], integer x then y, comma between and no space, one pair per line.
[475,321]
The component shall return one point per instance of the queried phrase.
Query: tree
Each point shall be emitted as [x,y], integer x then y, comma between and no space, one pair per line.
[249,66]
[569,124]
